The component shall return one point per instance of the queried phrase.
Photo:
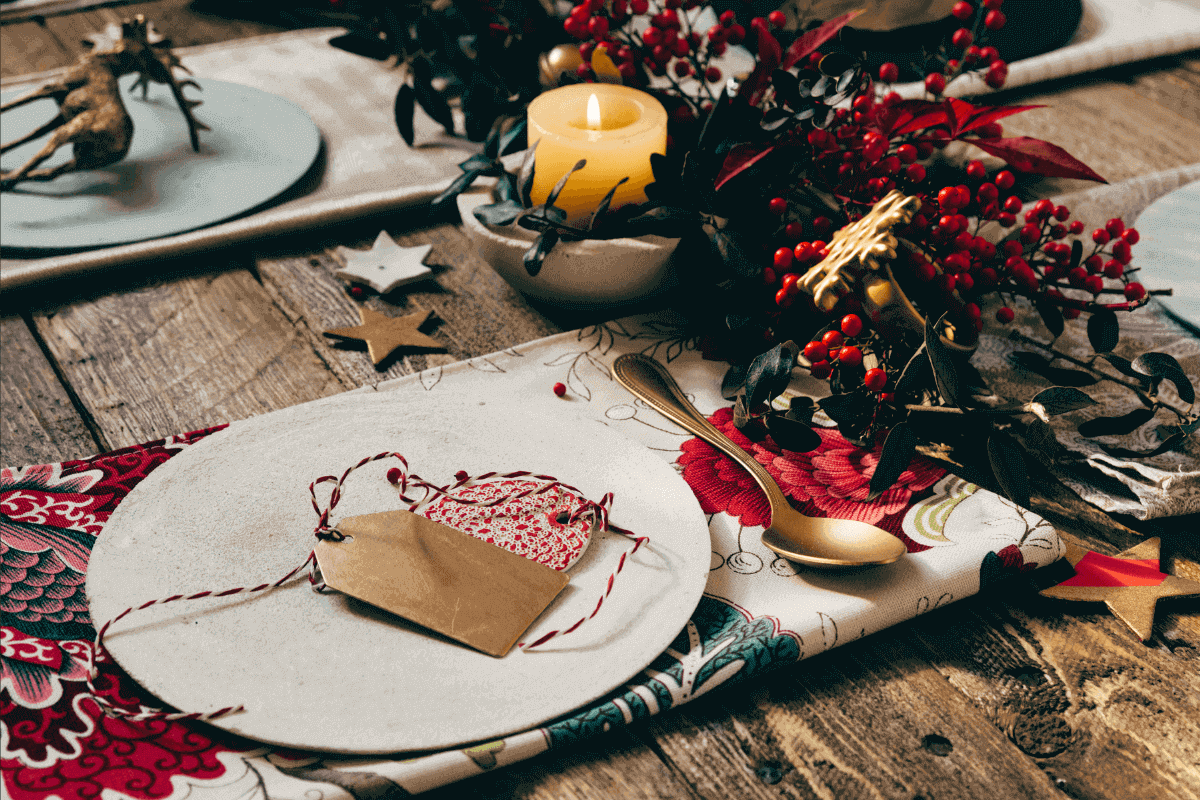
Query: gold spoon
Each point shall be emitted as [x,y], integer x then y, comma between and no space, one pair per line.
[818,542]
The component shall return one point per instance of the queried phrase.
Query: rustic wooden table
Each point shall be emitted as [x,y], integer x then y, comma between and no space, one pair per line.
[1004,696]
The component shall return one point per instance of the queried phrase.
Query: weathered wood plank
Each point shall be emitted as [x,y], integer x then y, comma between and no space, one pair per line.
[614,766]
[153,360]
[871,719]
[38,422]
[1103,714]
[28,47]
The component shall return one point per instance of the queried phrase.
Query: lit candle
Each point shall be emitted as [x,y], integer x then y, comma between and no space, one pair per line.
[616,136]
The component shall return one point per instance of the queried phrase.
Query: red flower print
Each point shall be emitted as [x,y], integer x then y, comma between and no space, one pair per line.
[831,481]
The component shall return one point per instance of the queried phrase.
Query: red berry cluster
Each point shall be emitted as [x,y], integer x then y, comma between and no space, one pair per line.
[838,353]
[668,47]
[783,274]
[971,54]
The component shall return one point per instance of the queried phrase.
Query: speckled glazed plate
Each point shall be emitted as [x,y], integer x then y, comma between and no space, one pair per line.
[324,672]
[259,146]
[1169,251]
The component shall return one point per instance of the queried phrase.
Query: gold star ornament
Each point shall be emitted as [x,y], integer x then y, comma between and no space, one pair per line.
[858,247]
[385,335]
[1129,583]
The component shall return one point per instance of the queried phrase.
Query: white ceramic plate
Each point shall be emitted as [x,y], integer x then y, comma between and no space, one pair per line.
[328,673]
[259,145]
[1169,250]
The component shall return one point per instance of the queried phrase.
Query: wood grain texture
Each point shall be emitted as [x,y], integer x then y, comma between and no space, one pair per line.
[39,423]
[170,357]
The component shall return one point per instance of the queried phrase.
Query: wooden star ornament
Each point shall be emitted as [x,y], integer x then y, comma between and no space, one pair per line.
[384,335]
[386,265]
[1129,583]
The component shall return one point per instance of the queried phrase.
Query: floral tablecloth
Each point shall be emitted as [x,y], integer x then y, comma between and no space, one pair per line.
[758,612]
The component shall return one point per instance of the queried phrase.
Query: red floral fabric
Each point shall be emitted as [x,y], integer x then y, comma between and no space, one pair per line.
[831,481]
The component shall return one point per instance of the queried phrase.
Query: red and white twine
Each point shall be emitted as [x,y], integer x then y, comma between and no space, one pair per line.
[404,481]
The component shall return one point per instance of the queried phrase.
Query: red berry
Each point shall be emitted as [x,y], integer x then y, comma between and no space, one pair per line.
[964,282]
[560,389]
[972,311]
[1134,291]
[803,251]
[906,153]
[777,19]
[1030,233]
[815,351]
[850,356]
[976,170]
[1070,313]
[889,72]
[1114,226]
[1076,227]
[1094,284]
[1043,208]
[820,369]
[639,6]
[1005,179]
[789,282]
[875,379]
[1062,213]
[1121,251]
[737,34]
[988,277]
[652,36]
[1131,235]
[357,292]
[1013,204]
[777,206]
[925,272]
[783,298]
[793,230]
[962,10]
[988,54]
[996,76]
[683,69]
[915,173]
[1012,248]
[1006,219]
[992,3]
[1078,277]
[1100,236]
[598,27]
[852,325]
[712,74]
[961,38]
[394,474]
[1058,232]
[822,226]
[783,257]
[833,339]
[727,18]
[768,276]
[935,83]
[971,54]
[1004,314]
[1093,263]
[994,20]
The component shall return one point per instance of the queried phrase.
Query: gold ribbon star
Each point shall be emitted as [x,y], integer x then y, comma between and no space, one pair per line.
[1129,583]
[384,335]
[858,247]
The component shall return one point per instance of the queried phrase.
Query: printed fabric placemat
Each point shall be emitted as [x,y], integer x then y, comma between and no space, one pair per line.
[759,611]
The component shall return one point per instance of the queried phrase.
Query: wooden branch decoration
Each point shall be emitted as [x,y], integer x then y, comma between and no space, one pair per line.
[91,116]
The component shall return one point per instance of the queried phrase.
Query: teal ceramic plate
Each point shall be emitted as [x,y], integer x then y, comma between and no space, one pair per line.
[258,147]
[1169,251]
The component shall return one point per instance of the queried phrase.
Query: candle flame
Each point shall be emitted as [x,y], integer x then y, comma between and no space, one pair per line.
[593,113]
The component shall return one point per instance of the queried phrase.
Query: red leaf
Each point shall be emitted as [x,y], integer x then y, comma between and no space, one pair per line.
[984,116]
[809,42]
[769,53]
[741,158]
[924,114]
[957,113]
[889,118]
[1038,157]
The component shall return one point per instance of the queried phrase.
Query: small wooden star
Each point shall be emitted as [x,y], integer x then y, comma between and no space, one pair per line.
[1129,583]
[384,335]
[386,265]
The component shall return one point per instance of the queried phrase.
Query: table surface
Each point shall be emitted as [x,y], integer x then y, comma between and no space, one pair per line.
[1000,690]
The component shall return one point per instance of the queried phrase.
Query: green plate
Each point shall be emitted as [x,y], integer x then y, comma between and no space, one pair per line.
[259,146]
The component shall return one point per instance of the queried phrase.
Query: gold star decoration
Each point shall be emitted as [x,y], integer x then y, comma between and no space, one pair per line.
[1129,583]
[386,265]
[858,247]
[384,335]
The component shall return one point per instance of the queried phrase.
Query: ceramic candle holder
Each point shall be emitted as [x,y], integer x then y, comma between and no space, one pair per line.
[591,273]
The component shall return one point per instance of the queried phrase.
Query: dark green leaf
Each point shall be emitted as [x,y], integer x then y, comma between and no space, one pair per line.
[944,371]
[836,64]
[1056,375]
[514,139]
[786,86]
[363,45]
[1170,443]
[431,100]
[898,451]
[506,188]
[669,221]
[1116,426]
[1103,330]
[525,175]
[913,376]
[735,321]
[1125,367]
[845,79]
[605,202]
[823,86]
[1076,254]
[769,374]
[502,213]
[491,145]
[536,255]
[732,255]
[403,112]
[478,161]
[734,381]
[1009,467]
[562,182]
[851,411]
[456,188]
[1161,365]
[741,412]
[792,435]
[1051,316]
[1057,400]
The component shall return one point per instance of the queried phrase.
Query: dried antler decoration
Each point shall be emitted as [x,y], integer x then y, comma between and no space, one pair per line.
[858,247]
[91,116]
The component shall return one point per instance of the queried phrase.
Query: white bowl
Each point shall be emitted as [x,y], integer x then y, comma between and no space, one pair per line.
[590,272]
